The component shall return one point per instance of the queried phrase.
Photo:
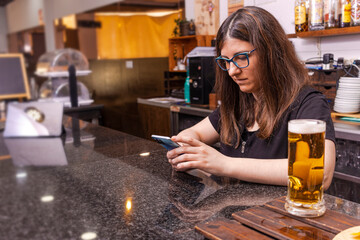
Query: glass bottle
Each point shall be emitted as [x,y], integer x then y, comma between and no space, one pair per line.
[187,87]
[330,13]
[355,13]
[301,18]
[316,15]
[345,14]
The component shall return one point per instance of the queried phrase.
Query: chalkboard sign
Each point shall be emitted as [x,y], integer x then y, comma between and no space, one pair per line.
[13,79]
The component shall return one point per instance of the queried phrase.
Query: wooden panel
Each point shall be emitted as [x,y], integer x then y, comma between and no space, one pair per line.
[325,82]
[206,16]
[4,157]
[117,88]
[154,120]
[326,77]
[331,221]
[226,229]
[234,5]
[280,226]
[335,115]
[327,90]
[272,220]
[208,39]
[14,42]
[72,39]
[179,47]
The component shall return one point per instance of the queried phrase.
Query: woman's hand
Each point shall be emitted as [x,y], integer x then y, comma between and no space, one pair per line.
[196,154]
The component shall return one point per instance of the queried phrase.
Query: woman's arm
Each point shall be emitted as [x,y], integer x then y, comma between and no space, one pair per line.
[329,163]
[202,131]
[196,154]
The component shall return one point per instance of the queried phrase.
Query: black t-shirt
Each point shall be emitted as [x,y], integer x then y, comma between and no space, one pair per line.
[309,104]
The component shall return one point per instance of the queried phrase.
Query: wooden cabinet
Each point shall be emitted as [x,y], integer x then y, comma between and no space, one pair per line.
[174,83]
[180,46]
[325,82]
[154,120]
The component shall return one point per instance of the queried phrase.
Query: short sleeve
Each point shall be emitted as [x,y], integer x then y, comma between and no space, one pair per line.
[214,118]
[315,106]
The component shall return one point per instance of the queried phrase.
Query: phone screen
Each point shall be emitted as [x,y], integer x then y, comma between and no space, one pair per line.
[166,142]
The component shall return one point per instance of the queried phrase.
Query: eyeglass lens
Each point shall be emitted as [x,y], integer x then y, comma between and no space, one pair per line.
[240,61]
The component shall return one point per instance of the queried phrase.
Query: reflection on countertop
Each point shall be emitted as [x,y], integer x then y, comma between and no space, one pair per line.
[36,151]
[118,186]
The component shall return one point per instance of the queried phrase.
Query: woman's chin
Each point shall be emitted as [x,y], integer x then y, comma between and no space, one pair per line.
[248,89]
[245,89]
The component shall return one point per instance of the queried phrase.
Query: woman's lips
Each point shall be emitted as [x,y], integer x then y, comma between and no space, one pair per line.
[240,79]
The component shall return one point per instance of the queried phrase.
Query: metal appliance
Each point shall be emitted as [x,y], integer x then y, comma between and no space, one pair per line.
[201,62]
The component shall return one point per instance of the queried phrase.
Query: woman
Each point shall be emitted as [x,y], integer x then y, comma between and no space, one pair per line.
[262,85]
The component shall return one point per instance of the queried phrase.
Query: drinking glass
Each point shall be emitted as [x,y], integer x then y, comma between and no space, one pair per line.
[306,148]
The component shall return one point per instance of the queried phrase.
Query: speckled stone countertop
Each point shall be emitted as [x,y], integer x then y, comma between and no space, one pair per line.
[94,184]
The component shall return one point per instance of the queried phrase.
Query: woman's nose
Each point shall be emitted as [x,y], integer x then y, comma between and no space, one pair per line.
[233,69]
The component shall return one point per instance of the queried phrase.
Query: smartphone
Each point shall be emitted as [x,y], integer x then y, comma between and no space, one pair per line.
[165,141]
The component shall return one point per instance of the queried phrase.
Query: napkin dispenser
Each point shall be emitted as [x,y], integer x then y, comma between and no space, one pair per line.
[34,119]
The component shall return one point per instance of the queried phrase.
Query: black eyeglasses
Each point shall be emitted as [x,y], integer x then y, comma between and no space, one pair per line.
[241,60]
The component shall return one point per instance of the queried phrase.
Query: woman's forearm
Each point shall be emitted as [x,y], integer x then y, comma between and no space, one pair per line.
[329,163]
[267,171]
[190,133]
[202,131]
[275,171]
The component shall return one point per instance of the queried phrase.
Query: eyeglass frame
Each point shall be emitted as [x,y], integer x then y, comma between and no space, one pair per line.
[247,54]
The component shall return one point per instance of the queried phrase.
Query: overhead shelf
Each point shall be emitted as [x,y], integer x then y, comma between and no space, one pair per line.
[326,32]
[62,73]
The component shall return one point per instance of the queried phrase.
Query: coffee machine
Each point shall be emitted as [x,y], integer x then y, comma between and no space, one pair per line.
[201,62]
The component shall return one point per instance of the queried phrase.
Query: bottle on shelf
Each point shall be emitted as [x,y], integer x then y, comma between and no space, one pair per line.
[355,13]
[187,86]
[345,13]
[301,17]
[330,13]
[316,15]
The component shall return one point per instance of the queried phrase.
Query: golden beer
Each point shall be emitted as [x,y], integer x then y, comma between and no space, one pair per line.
[306,148]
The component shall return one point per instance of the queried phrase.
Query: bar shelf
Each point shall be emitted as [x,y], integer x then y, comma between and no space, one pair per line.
[327,32]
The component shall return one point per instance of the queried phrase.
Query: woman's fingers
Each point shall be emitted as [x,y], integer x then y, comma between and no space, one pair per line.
[187,156]
[183,166]
[187,140]
[184,158]
[180,150]
[184,162]
[188,145]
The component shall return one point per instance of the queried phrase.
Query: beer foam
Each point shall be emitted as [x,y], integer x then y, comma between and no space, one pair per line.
[306,126]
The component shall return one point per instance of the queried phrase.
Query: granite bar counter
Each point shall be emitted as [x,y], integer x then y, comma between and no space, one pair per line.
[97,183]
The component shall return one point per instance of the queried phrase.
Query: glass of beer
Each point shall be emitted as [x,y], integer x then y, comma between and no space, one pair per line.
[306,148]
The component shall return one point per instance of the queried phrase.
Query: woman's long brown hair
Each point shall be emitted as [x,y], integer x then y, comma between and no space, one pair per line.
[280,72]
